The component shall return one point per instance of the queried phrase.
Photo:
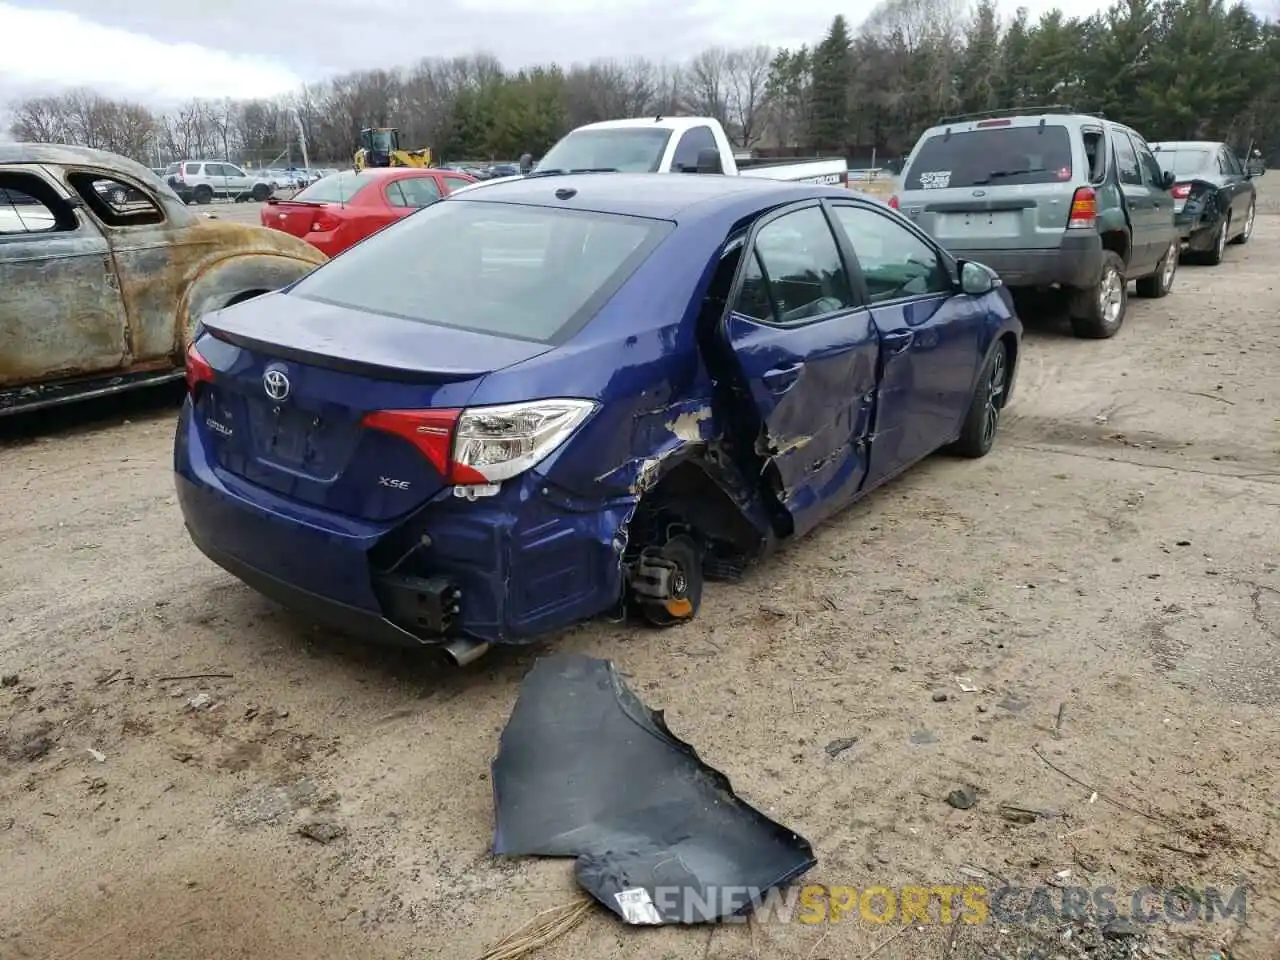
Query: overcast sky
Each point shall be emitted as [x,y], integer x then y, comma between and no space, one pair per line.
[161,50]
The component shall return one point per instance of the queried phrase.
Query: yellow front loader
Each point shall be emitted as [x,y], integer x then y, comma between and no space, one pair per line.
[380,147]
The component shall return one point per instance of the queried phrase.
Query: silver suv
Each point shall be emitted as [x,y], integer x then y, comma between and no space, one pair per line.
[1054,200]
[203,180]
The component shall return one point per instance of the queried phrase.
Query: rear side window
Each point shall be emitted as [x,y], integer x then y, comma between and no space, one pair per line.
[338,188]
[993,156]
[1187,162]
[527,272]
[453,183]
[192,170]
[413,192]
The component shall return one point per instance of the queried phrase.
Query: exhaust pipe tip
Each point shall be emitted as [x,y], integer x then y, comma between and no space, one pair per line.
[463,651]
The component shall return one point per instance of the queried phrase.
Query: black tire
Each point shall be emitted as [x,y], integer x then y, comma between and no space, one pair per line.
[203,194]
[1161,282]
[1213,256]
[1092,316]
[978,434]
[1248,223]
[686,585]
[260,192]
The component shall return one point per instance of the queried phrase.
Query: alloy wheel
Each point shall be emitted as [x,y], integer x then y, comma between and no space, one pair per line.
[995,396]
[1111,295]
[1170,265]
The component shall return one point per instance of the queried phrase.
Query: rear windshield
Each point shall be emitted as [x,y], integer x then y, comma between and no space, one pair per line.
[527,272]
[1185,162]
[338,188]
[997,156]
[628,149]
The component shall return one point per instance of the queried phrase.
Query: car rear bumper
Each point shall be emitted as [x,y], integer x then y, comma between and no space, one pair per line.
[523,566]
[1077,262]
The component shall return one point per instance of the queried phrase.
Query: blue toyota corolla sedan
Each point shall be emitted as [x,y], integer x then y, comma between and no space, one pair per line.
[549,398]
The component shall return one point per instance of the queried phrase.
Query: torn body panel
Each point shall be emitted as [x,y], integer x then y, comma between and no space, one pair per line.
[805,396]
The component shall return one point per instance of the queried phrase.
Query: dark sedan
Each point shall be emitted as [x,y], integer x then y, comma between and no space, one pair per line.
[1214,199]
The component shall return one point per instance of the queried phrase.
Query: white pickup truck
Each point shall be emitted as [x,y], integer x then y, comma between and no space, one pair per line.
[671,145]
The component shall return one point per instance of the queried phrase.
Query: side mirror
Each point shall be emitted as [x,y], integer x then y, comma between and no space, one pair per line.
[1167,180]
[977,279]
[709,162]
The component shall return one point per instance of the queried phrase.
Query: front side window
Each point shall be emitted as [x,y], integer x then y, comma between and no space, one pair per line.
[692,142]
[1127,160]
[795,273]
[115,203]
[895,262]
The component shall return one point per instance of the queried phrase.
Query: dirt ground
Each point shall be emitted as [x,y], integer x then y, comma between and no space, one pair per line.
[1106,579]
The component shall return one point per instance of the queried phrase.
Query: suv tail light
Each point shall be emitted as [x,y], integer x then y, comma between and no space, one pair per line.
[485,445]
[893,202]
[324,222]
[198,369]
[1084,210]
[844,179]
[1181,191]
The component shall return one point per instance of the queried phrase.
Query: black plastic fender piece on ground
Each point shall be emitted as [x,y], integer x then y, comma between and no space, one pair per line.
[584,769]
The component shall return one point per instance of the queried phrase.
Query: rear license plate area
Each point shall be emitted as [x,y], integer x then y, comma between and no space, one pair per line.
[285,435]
[995,223]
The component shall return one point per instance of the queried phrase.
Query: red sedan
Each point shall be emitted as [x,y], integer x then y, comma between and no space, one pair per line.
[344,208]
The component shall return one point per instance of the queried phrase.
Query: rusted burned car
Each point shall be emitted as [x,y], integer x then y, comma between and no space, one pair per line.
[104,273]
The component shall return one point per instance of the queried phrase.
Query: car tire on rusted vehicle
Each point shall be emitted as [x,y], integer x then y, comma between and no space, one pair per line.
[100,299]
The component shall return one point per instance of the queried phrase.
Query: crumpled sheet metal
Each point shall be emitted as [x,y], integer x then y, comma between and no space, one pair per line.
[585,770]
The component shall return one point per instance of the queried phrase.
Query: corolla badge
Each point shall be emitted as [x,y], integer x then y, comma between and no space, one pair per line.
[276,384]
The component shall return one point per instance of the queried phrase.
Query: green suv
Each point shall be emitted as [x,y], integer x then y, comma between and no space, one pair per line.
[1056,199]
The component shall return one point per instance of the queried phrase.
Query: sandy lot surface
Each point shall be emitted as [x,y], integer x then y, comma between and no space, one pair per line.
[1107,580]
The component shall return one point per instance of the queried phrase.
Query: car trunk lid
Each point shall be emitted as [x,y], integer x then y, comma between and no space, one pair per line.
[296,217]
[293,388]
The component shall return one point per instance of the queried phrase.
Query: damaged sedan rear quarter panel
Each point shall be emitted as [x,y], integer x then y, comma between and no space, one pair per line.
[106,273]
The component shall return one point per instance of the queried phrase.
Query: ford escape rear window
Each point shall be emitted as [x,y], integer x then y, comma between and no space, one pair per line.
[995,156]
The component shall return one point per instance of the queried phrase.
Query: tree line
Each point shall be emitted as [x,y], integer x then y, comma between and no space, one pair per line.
[1173,69]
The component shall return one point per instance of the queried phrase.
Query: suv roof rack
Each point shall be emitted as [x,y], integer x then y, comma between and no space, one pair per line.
[1031,111]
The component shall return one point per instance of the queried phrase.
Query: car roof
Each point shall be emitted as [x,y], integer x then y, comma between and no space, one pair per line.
[1185,144]
[663,196]
[62,153]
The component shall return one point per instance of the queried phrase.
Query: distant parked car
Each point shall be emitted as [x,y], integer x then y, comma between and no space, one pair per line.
[1056,199]
[105,272]
[1215,200]
[343,209]
[201,181]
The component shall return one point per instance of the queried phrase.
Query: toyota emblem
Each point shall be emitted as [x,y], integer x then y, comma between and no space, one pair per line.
[276,384]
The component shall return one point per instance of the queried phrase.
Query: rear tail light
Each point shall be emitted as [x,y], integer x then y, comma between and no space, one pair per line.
[1181,191]
[198,369]
[485,445]
[324,222]
[893,202]
[1084,209]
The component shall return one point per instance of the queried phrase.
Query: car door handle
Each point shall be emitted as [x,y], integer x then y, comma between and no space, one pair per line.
[782,379]
[898,341]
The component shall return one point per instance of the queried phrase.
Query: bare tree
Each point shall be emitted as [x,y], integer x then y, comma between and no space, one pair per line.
[747,85]
[706,90]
